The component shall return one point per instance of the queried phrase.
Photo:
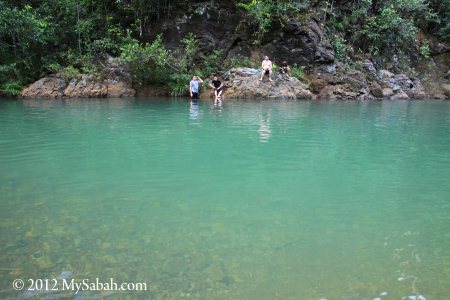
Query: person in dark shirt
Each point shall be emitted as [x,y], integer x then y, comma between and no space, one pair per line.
[284,67]
[216,84]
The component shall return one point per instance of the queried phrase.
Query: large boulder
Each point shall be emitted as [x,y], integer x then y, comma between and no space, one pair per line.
[87,86]
[116,84]
[376,90]
[446,89]
[244,83]
[342,92]
[48,87]
[340,82]
[437,74]
[403,86]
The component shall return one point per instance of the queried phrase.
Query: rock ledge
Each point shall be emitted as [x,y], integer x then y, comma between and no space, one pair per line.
[244,83]
[53,86]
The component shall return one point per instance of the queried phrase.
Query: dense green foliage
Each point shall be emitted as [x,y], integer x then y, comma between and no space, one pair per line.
[442,25]
[298,72]
[263,12]
[75,36]
[381,27]
[68,36]
[23,35]
[153,64]
[387,27]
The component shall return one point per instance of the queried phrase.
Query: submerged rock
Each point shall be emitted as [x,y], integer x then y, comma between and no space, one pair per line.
[65,275]
[414,297]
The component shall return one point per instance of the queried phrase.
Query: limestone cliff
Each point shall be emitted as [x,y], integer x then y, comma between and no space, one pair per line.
[302,42]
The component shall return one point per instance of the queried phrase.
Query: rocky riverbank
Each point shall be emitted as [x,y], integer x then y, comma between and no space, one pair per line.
[115,82]
[328,82]
[244,83]
[303,43]
[339,50]
[338,82]
[53,86]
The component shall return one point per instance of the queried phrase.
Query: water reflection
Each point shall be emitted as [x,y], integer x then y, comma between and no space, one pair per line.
[194,110]
[42,103]
[217,104]
[216,108]
[264,127]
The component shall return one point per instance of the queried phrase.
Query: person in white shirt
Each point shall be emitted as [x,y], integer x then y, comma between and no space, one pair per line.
[266,68]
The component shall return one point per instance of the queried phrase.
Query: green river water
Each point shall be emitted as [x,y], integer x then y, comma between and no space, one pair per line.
[246,200]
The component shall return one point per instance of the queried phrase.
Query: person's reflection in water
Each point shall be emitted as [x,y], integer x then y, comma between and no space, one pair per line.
[264,128]
[218,104]
[193,110]
[216,108]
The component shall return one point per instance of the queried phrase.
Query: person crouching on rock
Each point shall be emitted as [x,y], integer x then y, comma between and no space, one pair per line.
[194,87]
[216,84]
[266,68]
[284,68]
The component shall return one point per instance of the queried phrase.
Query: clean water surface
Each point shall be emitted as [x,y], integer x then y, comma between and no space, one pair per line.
[247,200]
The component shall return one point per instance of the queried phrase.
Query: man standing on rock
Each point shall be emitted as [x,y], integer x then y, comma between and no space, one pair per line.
[266,68]
[194,87]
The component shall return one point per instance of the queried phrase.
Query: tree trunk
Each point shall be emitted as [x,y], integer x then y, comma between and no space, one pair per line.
[374,7]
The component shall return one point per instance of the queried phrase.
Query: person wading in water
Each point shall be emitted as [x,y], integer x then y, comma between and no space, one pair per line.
[194,87]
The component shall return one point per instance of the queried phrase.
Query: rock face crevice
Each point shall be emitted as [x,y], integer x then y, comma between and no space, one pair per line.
[224,28]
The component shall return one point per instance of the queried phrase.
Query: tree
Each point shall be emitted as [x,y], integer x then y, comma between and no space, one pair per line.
[22,36]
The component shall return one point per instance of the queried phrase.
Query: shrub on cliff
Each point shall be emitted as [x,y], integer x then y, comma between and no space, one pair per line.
[153,64]
[262,13]
[385,28]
